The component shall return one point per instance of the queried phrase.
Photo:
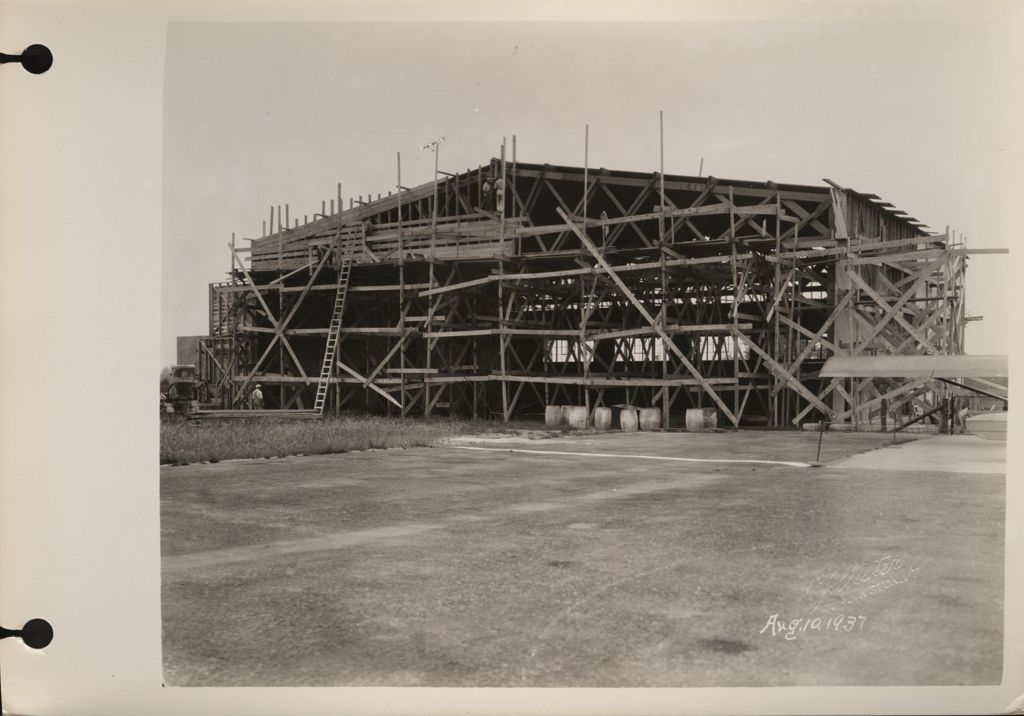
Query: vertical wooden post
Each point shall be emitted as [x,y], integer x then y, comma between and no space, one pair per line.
[586,171]
[663,313]
[501,209]
[429,343]
[947,300]
[773,399]
[843,329]
[516,247]
[433,214]
[794,288]
[458,209]
[502,342]
[280,346]
[661,174]
[280,316]
[401,288]
[735,311]
[584,304]
[663,319]
[341,206]
[581,390]
[661,251]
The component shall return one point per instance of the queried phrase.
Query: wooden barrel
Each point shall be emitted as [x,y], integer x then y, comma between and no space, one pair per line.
[576,415]
[650,418]
[603,418]
[552,415]
[701,418]
[628,420]
[563,415]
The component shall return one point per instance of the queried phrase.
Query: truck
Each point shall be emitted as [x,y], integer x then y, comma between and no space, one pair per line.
[179,389]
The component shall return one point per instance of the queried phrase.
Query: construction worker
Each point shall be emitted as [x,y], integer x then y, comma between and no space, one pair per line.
[486,194]
[499,195]
[604,229]
[257,397]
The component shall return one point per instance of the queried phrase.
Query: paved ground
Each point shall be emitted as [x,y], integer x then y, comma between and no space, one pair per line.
[591,561]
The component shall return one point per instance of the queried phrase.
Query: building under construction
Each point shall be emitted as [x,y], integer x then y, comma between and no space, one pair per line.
[503,289]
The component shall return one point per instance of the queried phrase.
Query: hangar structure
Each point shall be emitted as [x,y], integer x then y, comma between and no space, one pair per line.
[499,290]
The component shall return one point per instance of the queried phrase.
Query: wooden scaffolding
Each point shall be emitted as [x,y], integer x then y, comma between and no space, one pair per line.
[499,290]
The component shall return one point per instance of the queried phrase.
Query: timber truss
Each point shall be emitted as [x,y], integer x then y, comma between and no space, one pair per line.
[595,288]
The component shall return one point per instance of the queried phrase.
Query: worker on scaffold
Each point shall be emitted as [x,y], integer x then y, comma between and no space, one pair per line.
[256,399]
[486,191]
[499,196]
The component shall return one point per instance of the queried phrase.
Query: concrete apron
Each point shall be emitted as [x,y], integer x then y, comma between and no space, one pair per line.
[940,453]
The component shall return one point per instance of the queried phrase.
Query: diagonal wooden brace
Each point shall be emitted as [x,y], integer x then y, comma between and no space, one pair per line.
[279,326]
[867,288]
[777,368]
[371,386]
[668,342]
[915,281]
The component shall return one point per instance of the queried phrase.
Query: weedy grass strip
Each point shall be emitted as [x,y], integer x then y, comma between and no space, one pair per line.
[197,441]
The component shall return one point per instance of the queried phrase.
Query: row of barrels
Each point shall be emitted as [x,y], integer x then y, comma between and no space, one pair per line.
[630,419]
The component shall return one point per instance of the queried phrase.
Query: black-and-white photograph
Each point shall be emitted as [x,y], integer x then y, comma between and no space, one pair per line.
[584,354]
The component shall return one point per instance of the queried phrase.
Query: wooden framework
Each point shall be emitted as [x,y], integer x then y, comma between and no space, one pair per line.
[592,287]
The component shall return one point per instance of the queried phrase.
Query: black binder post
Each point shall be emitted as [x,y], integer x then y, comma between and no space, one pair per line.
[37,59]
[37,633]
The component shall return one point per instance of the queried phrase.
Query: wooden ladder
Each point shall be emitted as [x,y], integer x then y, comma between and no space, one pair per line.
[332,337]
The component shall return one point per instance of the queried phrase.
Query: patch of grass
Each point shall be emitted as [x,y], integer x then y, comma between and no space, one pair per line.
[196,441]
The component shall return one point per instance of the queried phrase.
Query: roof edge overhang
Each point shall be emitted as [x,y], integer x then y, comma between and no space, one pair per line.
[934,366]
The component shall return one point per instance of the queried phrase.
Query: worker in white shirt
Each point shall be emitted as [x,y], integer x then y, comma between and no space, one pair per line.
[499,195]
[486,189]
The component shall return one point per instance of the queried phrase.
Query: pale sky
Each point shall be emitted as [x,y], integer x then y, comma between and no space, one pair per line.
[911,108]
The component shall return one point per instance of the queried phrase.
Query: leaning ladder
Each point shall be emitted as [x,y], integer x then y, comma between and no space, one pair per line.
[332,337]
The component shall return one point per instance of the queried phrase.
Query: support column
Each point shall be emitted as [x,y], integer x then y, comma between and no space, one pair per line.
[773,394]
[502,341]
[401,294]
[662,315]
[429,345]
[735,309]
